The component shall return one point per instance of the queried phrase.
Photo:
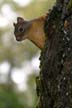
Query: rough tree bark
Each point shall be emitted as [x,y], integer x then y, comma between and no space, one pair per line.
[54,84]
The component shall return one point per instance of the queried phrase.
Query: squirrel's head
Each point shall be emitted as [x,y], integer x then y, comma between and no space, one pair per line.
[20,29]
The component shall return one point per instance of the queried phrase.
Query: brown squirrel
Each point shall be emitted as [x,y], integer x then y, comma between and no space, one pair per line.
[32,30]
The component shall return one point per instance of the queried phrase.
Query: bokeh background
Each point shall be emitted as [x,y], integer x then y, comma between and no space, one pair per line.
[19,61]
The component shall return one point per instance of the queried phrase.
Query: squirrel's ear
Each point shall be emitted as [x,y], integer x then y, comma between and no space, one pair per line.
[20,19]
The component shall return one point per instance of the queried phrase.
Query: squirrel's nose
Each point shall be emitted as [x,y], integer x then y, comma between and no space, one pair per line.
[14,24]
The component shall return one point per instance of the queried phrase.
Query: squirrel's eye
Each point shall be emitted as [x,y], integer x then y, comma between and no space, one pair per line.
[21,29]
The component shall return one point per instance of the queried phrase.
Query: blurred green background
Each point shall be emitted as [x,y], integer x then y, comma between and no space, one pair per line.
[19,64]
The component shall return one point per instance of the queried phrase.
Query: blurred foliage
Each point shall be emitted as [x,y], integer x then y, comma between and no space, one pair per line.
[16,53]
[8,98]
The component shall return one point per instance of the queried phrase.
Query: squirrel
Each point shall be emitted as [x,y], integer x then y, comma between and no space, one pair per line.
[32,30]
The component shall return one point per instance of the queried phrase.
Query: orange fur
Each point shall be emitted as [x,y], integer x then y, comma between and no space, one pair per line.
[36,32]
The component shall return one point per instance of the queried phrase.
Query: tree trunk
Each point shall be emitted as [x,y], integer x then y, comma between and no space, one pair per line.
[54,85]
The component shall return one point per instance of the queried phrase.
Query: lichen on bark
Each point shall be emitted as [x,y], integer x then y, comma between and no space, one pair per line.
[55,80]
